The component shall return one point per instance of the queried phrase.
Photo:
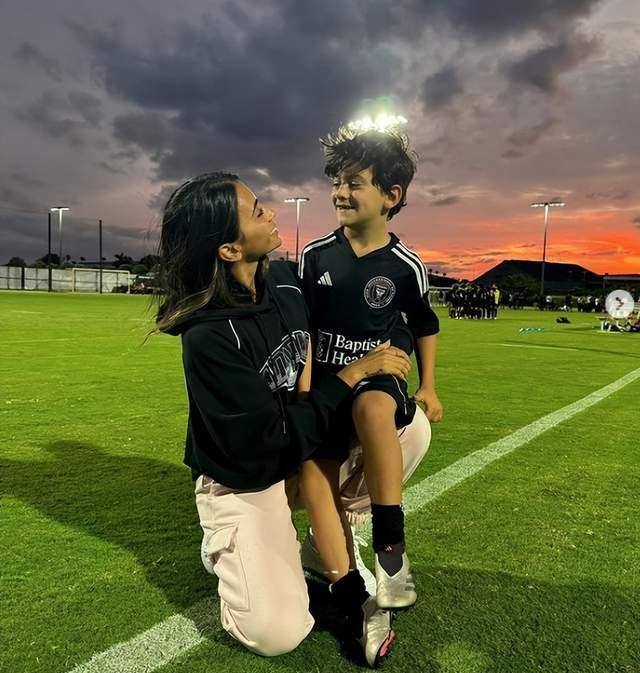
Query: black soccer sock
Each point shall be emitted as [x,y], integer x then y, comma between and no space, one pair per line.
[387,524]
[350,593]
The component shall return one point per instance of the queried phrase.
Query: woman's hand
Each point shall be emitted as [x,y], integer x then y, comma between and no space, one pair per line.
[383,359]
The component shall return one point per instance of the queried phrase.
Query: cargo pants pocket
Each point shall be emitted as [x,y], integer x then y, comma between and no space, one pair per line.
[222,548]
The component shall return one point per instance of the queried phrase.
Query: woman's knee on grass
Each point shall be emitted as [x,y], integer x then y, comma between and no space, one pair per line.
[273,633]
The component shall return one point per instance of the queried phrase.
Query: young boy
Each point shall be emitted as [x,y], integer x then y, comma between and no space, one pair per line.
[364,287]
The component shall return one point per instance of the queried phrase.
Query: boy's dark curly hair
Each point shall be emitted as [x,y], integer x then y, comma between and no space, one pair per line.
[386,153]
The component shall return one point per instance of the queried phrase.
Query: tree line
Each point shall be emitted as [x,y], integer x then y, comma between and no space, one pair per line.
[140,267]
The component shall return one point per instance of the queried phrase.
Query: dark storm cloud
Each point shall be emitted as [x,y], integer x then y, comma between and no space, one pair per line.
[129,154]
[17,199]
[530,135]
[212,99]
[541,68]
[442,87]
[159,199]
[29,53]
[114,170]
[482,20]
[24,232]
[26,180]
[28,235]
[445,201]
[49,115]
[87,105]
[609,195]
[512,154]
[148,130]
[244,89]
[494,18]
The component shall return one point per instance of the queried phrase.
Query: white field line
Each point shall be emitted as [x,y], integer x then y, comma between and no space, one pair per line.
[179,633]
[545,348]
[158,645]
[56,339]
[418,495]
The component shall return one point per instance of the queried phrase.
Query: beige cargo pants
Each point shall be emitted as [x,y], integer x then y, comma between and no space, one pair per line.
[251,542]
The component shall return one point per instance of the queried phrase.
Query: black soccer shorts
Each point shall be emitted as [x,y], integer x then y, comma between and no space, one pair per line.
[342,434]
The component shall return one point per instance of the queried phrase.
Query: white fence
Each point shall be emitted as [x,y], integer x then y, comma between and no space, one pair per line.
[62,280]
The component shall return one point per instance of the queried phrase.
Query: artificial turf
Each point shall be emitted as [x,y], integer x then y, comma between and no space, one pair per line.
[529,566]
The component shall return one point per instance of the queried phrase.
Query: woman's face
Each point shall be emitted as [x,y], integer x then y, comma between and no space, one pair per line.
[258,231]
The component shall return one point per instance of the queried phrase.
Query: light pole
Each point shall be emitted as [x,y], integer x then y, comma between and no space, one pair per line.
[297,200]
[59,209]
[546,205]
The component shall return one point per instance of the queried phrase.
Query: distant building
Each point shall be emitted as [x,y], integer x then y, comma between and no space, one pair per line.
[613,280]
[558,277]
[437,280]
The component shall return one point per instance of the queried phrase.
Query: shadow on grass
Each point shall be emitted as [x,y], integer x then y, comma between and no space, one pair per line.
[466,620]
[478,621]
[142,505]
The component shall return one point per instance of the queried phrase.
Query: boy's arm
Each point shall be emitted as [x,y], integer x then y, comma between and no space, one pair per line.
[426,395]
[424,324]
[304,382]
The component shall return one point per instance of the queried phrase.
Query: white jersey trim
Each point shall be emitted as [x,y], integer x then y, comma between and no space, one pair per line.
[418,261]
[317,243]
[415,268]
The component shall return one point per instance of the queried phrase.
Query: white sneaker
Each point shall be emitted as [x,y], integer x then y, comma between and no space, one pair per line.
[311,562]
[368,577]
[377,634]
[395,591]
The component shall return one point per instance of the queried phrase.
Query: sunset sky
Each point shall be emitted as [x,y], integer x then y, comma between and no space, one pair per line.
[106,107]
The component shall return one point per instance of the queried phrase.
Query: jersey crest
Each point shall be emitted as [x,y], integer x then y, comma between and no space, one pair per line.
[379,292]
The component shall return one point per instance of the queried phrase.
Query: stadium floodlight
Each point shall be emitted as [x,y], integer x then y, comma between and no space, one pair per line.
[60,209]
[381,122]
[546,205]
[297,200]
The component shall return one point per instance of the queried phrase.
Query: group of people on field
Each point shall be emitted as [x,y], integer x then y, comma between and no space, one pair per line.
[296,380]
[476,302]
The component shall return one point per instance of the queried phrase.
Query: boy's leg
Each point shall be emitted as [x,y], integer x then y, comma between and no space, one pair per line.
[375,419]
[249,539]
[414,440]
[333,544]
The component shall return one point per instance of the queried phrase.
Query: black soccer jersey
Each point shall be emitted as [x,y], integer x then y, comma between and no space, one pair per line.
[356,303]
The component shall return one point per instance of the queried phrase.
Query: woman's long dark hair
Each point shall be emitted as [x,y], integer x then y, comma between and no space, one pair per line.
[199,216]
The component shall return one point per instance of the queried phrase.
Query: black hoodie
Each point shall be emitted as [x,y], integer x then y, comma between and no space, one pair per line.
[246,427]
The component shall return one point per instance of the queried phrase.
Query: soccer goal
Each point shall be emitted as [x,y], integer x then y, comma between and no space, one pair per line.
[88,280]
[438,296]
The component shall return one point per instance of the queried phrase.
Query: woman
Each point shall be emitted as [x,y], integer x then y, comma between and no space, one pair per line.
[244,334]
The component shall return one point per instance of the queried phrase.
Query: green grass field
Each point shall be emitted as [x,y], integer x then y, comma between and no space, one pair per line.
[531,565]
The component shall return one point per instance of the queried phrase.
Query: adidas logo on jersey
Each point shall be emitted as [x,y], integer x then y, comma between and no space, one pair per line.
[325,279]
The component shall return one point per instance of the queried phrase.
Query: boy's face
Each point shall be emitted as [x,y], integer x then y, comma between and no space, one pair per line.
[358,202]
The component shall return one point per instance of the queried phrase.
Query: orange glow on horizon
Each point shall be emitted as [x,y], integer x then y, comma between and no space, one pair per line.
[596,240]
